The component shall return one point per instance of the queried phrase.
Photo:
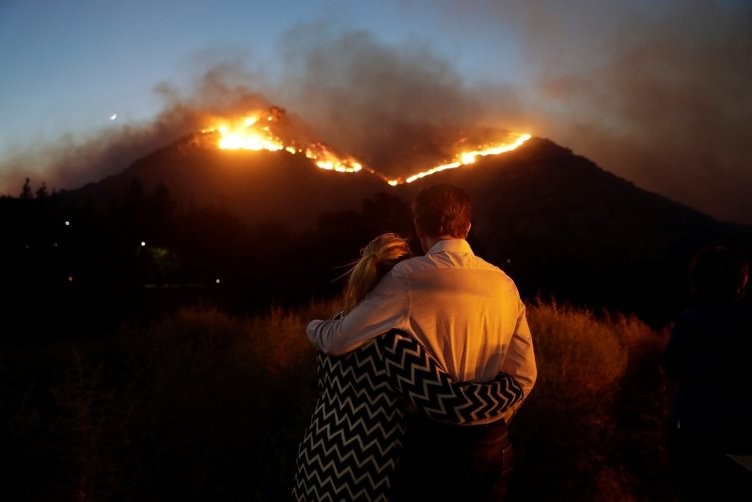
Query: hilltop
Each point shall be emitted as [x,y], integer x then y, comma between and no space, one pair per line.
[248,229]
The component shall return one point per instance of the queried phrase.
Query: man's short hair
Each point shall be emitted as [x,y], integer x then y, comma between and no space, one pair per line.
[443,209]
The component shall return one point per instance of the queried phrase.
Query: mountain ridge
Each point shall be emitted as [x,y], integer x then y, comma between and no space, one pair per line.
[559,224]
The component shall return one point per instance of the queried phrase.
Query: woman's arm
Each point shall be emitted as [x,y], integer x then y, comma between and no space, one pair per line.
[414,373]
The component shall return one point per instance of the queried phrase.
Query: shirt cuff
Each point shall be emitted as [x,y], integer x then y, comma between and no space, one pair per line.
[313,334]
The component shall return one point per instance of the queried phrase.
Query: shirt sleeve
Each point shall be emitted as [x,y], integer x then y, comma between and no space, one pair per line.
[385,307]
[519,362]
[416,375]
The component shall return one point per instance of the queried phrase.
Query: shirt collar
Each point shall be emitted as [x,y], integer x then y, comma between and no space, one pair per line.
[451,246]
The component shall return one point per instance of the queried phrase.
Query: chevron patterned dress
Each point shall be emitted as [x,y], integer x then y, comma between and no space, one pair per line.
[353,442]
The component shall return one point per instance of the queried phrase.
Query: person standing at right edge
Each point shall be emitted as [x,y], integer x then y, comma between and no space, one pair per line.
[709,356]
[469,315]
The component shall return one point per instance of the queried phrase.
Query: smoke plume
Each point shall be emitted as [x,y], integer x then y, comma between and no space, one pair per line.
[659,96]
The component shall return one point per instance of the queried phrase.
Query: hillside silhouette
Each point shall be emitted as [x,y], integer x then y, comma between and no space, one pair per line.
[564,227]
[246,230]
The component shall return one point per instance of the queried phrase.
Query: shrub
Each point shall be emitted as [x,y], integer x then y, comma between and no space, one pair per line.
[196,406]
[568,430]
[203,405]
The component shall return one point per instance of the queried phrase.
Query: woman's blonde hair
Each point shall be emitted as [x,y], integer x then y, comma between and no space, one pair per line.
[376,259]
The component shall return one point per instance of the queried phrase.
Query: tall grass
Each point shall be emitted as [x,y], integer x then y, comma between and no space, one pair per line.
[600,392]
[205,406]
[197,406]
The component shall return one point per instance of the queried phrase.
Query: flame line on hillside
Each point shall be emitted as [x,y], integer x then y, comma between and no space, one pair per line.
[255,134]
[249,134]
[465,158]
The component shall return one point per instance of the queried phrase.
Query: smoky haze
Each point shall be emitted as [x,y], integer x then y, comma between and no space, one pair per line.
[398,108]
[661,97]
[72,162]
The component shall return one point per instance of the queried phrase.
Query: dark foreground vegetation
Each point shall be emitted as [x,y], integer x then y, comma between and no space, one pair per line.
[142,357]
[73,268]
[203,405]
[84,261]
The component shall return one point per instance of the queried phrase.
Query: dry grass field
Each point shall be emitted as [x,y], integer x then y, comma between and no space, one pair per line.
[201,405]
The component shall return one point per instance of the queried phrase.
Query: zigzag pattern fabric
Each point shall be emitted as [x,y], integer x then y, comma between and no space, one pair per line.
[353,442]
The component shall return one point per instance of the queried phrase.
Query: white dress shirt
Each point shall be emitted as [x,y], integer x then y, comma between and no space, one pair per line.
[464,310]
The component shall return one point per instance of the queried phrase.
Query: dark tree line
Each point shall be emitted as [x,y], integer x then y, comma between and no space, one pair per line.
[73,265]
[73,268]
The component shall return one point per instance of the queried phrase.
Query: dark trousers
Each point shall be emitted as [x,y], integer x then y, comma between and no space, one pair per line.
[450,462]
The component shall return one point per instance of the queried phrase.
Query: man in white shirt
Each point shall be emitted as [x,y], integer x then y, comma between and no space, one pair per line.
[466,312]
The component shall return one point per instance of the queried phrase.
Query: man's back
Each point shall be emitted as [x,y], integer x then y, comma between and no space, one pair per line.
[469,315]
[463,309]
[466,312]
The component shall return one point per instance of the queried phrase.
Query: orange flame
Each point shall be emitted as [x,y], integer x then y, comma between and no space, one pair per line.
[258,132]
[248,136]
[254,133]
[465,158]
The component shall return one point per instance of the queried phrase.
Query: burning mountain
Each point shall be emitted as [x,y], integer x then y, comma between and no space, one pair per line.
[271,131]
[260,166]
[555,221]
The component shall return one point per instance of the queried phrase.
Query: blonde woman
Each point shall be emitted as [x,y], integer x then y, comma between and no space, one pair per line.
[354,440]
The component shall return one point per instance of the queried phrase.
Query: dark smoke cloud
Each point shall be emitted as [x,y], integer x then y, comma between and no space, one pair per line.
[392,107]
[398,108]
[661,96]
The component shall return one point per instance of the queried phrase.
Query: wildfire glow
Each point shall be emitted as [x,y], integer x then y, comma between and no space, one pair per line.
[267,130]
[465,158]
[256,133]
